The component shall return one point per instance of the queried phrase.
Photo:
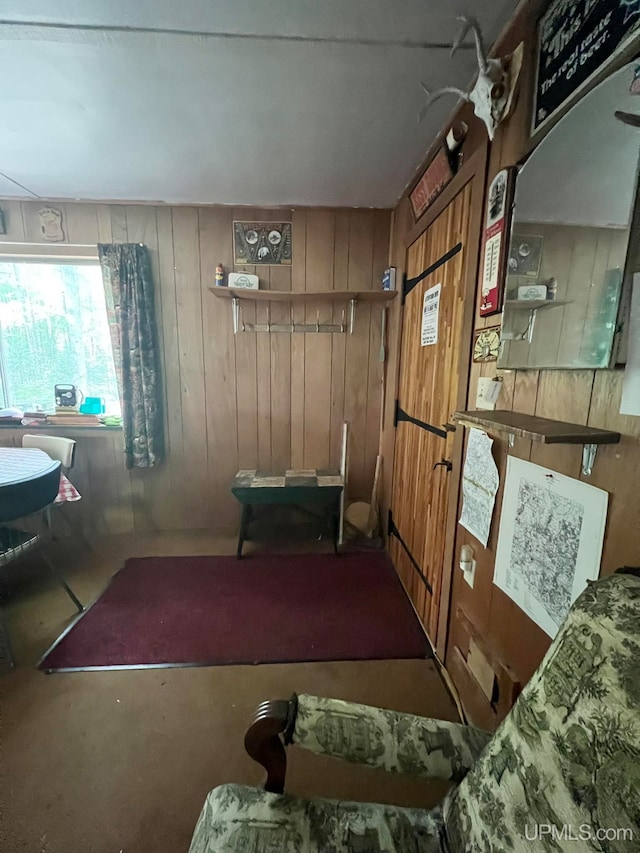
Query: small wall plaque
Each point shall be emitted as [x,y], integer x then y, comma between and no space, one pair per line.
[262,243]
[525,255]
[51,224]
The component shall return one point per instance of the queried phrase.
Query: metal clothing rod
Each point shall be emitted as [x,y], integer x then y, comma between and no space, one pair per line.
[291,327]
[304,328]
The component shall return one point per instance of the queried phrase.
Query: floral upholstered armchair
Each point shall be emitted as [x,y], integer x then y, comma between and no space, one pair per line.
[562,772]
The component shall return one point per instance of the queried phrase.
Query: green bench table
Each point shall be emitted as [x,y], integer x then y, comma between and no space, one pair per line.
[304,488]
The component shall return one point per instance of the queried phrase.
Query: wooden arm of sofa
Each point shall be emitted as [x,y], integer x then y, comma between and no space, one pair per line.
[269,733]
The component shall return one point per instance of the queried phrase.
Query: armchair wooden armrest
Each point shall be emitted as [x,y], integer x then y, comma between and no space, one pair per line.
[396,742]
[266,737]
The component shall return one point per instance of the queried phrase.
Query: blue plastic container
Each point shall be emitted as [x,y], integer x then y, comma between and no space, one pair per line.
[92,406]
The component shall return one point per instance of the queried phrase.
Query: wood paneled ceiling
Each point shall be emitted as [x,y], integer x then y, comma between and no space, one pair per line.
[211,101]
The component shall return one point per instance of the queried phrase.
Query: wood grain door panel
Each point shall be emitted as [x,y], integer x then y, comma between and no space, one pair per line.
[428,391]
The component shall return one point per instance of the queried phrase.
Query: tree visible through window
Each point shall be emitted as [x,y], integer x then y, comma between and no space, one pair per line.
[54,330]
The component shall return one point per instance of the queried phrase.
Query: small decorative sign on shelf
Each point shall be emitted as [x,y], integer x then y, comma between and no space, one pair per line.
[389,279]
[243,279]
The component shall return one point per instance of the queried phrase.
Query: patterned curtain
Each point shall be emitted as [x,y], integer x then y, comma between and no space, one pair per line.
[128,291]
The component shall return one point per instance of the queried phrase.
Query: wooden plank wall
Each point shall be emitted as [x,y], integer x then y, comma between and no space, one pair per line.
[246,401]
[590,397]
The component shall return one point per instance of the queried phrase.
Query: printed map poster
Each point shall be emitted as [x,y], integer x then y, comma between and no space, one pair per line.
[480,480]
[576,38]
[430,316]
[550,541]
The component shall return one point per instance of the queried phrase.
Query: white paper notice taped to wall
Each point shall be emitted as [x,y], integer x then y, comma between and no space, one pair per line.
[430,312]
[630,404]
[480,481]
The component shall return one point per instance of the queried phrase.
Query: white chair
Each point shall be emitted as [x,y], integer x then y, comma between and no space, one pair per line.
[61,449]
[64,451]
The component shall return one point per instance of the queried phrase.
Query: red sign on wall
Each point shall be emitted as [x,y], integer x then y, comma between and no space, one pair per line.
[435,178]
[496,239]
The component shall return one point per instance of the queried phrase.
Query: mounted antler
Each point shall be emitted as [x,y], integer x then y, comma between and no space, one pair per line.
[492,94]
[469,23]
[433,96]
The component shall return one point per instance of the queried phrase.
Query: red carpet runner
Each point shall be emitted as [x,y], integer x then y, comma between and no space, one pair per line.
[189,611]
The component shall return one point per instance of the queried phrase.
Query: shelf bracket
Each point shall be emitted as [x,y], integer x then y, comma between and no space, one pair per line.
[512,439]
[235,303]
[352,315]
[526,334]
[588,458]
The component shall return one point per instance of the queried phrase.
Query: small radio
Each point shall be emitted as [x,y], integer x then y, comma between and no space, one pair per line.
[67,398]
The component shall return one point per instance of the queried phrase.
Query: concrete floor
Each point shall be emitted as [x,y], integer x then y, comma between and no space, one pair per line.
[122,761]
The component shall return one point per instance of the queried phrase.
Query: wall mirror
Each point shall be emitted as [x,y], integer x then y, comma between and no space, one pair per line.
[574,201]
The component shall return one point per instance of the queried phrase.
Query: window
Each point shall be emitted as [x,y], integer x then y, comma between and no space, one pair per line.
[54,331]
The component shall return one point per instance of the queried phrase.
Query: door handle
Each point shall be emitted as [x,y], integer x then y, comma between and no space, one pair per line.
[446,463]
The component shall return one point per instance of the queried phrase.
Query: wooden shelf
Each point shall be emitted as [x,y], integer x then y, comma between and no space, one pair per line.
[534,304]
[543,430]
[304,295]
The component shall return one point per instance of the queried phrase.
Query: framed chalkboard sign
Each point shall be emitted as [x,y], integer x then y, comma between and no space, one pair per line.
[576,38]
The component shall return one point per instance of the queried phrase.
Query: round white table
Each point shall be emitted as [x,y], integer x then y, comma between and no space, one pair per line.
[21,464]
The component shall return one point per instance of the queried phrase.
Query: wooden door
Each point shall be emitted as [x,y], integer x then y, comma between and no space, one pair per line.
[432,376]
